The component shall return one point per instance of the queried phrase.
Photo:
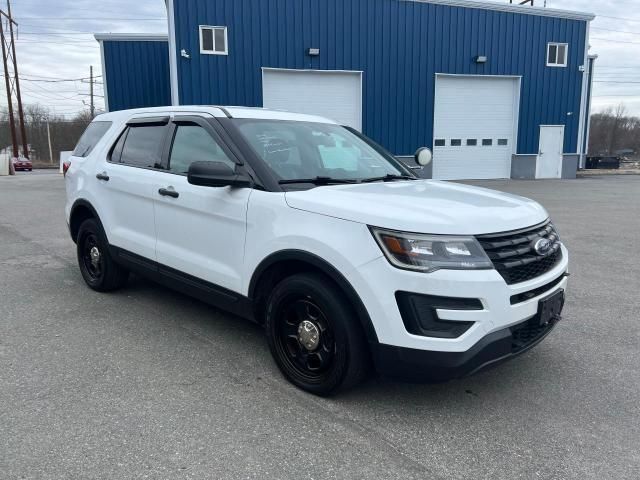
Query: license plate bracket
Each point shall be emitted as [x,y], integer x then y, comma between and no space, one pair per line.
[550,308]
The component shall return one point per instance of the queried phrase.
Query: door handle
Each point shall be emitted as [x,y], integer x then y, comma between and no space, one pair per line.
[103,176]
[168,192]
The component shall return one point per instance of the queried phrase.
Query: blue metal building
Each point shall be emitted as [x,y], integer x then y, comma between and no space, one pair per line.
[496,90]
[135,70]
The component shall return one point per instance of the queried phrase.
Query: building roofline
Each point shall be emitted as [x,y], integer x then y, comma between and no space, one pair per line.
[124,37]
[507,7]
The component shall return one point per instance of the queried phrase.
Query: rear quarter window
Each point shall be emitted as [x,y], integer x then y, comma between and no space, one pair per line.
[90,138]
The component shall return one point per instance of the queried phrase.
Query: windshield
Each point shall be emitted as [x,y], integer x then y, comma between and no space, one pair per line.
[304,150]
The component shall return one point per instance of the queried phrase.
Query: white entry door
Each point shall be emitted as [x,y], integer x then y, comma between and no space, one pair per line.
[336,95]
[549,164]
[475,126]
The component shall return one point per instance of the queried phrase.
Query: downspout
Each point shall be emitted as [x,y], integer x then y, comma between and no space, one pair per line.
[583,100]
[173,56]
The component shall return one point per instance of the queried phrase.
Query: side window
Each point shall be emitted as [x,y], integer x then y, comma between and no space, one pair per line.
[557,54]
[90,138]
[141,146]
[193,143]
[213,40]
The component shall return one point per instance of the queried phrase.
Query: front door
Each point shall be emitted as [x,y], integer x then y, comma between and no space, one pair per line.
[200,230]
[549,164]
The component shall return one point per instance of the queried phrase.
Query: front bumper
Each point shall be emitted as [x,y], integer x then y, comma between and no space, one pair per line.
[429,366]
[377,283]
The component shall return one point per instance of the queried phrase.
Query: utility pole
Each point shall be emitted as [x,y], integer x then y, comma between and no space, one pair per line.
[49,138]
[12,84]
[12,124]
[93,105]
[23,132]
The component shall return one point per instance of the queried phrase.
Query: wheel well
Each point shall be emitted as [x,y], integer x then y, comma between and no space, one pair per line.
[273,275]
[79,214]
[267,277]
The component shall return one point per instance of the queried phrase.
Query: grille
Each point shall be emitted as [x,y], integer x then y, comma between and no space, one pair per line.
[513,254]
[524,296]
[527,333]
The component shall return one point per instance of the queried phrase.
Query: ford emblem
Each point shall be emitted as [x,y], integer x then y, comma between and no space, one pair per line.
[542,246]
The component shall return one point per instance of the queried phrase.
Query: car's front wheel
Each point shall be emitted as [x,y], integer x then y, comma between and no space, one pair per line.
[98,269]
[314,335]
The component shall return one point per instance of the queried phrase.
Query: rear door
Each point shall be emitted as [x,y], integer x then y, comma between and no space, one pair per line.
[125,184]
[200,230]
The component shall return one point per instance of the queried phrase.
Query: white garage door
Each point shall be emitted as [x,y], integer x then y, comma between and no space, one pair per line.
[331,94]
[475,125]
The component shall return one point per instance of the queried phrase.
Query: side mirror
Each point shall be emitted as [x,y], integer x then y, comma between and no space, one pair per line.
[216,174]
[423,156]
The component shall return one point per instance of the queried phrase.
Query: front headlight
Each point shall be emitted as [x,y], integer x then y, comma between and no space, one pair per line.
[427,253]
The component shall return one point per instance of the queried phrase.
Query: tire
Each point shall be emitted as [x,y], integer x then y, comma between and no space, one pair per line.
[98,269]
[335,356]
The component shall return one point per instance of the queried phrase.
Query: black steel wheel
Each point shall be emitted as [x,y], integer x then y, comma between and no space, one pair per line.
[92,257]
[305,338]
[98,269]
[315,336]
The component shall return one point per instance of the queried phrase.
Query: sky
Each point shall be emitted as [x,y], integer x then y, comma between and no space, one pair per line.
[55,42]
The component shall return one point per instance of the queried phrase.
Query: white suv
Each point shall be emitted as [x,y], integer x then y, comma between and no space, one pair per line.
[314,231]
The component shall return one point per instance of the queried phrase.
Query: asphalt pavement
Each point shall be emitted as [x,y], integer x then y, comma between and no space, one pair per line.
[148,383]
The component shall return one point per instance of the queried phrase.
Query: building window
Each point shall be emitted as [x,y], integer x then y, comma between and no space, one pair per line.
[487,142]
[472,142]
[213,40]
[440,142]
[456,142]
[557,54]
[503,142]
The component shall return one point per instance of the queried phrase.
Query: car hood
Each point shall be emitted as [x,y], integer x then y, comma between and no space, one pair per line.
[422,206]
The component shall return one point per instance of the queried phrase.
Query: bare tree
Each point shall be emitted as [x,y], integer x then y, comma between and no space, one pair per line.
[612,130]
[64,132]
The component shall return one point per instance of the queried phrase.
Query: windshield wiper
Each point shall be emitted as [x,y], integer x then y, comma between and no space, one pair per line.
[388,178]
[317,181]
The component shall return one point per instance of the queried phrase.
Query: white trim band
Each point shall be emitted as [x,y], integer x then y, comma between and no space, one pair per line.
[506,7]
[137,37]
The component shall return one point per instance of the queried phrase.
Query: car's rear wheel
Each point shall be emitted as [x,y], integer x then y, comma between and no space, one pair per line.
[314,335]
[98,269]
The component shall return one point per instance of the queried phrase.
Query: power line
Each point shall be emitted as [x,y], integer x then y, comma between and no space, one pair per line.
[147,19]
[51,81]
[57,33]
[613,81]
[33,75]
[613,41]
[73,43]
[620,18]
[617,31]
[30,80]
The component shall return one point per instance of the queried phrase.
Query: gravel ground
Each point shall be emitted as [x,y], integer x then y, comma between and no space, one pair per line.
[147,383]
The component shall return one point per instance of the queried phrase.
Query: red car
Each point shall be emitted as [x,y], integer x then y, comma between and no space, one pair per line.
[22,164]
